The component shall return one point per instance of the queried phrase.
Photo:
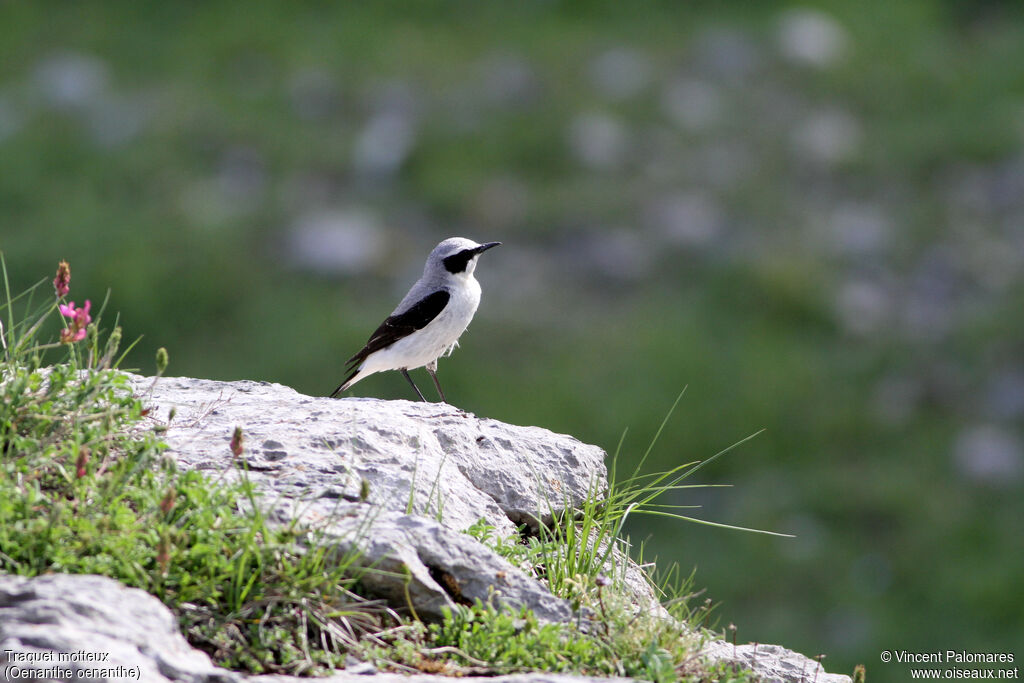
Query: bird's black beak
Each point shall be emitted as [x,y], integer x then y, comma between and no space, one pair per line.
[485,246]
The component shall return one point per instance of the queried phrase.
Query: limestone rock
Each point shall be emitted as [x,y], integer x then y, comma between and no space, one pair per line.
[444,567]
[81,617]
[437,460]
[401,480]
[773,663]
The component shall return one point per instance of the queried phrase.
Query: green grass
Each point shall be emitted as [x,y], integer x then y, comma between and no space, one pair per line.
[482,640]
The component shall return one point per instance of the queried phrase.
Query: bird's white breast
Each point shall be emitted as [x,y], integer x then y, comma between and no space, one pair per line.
[437,337]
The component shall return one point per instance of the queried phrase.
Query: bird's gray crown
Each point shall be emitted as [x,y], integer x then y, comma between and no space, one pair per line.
[450,246]
[455,255]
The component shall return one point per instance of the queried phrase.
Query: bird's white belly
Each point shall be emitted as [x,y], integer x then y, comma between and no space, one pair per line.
[433,340]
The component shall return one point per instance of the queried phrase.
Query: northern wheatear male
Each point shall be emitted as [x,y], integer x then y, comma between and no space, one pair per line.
[430,319]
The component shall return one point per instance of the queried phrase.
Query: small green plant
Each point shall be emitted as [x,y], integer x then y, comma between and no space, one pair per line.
[593,540]
[572,551]
[485,640]
[522,549]
[581,556]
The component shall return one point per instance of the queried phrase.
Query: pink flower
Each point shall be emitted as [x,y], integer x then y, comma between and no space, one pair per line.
[78,320]
[69,335]
[62,283]
[82,315]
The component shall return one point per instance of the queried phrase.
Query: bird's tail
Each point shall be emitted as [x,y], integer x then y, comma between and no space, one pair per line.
[349,381]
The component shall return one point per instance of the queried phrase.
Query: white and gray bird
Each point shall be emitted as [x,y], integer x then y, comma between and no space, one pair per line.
[430,319]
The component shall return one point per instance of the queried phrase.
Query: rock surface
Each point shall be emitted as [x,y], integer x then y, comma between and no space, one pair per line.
[443,462]
[409,476]
[444,567]
[49,616]
[773,663]
[427,471]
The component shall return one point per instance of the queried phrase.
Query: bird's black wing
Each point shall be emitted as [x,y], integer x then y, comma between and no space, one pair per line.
[403,324]
[398,327]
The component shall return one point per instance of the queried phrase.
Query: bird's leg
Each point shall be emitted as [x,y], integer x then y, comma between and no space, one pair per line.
[432,369]
[405,373]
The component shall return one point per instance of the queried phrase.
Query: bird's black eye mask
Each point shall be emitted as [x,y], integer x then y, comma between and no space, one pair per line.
[457,262]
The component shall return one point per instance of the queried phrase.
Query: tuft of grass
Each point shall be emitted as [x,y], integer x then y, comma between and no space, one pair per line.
[584,558]
[613,639]
[484,640]
[574,551]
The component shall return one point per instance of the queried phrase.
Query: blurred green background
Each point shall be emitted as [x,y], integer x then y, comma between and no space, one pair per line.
[810,215]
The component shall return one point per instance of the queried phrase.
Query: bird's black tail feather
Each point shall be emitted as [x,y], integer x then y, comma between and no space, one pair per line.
[334,394]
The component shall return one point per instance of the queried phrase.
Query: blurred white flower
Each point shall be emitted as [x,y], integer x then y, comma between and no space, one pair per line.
[620,73]
[990,455]
[863,307]
[338,241]
[692,104]
[827,136]
[70,79]
[384,144]
[598,140]
[811,37]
